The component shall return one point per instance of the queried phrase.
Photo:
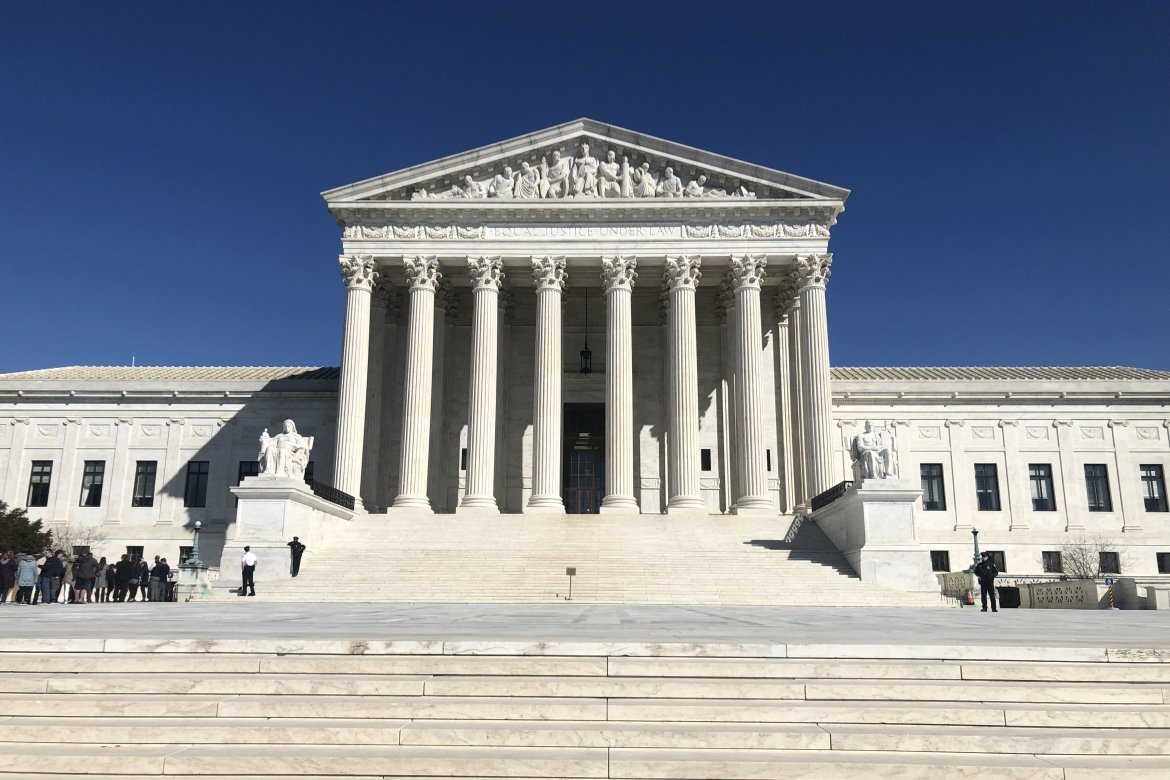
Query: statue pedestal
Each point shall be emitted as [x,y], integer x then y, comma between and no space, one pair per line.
[271,511]
[873,525]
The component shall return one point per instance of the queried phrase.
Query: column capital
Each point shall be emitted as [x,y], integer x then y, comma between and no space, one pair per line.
[811,270]
[617,272]
[548,273]
[786,293]
[384,294]
[682,272]
[747,271]
[486,273]
[358,271]
[422,272]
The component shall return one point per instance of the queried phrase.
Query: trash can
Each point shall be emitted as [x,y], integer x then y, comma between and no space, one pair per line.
[1009,597]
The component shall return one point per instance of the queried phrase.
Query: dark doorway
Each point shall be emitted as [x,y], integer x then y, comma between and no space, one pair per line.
[584,458]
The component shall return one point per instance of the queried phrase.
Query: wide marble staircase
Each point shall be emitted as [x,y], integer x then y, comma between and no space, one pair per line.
[645,559]
[242,709]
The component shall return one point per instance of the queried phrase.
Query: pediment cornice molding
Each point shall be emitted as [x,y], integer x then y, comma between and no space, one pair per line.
[636,174]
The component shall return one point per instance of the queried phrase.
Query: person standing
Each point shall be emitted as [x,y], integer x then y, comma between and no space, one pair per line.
[86,574]
[122,576]
[161,573]
[7,575]
[26,578]
[101,585]
[155,584]
[986,572]
[53,569]
[248,571]
[297,549]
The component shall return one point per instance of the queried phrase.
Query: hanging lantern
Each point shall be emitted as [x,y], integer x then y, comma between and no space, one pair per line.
[586,353]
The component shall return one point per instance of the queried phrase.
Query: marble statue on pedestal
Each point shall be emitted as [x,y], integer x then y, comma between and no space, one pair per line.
[286,454]
[872,456]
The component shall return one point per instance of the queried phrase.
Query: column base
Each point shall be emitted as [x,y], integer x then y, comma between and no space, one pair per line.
[615,505]
[753,505]
[478,505]
[545,505]
[686,505]
[412,502]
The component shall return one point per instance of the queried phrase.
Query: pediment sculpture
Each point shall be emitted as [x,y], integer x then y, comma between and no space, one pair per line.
[873,454]
[286,454]
[583,176]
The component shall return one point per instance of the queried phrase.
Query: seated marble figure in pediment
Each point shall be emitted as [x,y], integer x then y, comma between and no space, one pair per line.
[552,174]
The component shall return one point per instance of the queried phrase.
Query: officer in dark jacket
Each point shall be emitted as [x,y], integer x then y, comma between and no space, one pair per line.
[986,572]
[297,549]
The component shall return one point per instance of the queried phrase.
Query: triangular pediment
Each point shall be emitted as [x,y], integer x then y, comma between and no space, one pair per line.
[585,160]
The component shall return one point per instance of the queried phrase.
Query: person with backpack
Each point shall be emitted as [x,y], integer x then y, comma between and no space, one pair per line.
[986,572]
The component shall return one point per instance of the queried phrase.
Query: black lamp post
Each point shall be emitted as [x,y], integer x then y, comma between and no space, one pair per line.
[975,539]
[193,560]
[586,353]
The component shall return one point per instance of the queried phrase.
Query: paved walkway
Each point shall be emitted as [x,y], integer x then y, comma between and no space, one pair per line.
[591,623]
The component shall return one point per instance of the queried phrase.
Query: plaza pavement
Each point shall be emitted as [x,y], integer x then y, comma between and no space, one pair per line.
[569,622]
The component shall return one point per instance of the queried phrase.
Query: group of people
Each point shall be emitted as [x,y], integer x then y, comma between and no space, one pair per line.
[53,578]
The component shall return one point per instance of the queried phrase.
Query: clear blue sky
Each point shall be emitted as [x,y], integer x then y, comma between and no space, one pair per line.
[162,162]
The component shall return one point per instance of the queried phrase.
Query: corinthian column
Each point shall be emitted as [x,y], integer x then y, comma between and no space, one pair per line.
[549,276]
[746,271]
[359,273]
[486,274]
[811,273]
[618,275]
[422,274]
[682,275]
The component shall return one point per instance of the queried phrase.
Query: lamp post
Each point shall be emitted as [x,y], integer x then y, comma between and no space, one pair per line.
[975,539]
[193,559]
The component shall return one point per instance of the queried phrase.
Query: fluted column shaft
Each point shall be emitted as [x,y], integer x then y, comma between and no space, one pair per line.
[359,273]
[682,276]
[783,357]
[422,273]
[486,274]
[812,273]
[796,372]
[747,271]
[549,277]
[618,275]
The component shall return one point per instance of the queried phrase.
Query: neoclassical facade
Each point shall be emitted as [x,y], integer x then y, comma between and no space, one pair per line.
[584,320]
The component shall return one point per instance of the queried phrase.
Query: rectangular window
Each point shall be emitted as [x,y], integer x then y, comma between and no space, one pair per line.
[1040,475]
[705,460]
[940,560]
[1097,486]
[92,477]
[247,468]
[1153,487]
[1109,562]
[999,560]
[1052,562]
[135,552]
[768,457]
[987,486]
[934,497]
[145,472]
[184,555]
[195,494]
[463,459]
[1164,563]
[39,481]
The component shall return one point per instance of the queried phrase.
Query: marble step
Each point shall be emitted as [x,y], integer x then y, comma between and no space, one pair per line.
[699,735]
[232,761]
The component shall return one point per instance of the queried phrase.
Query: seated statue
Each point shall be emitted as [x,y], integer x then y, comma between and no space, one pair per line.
[872,456]
[286,454]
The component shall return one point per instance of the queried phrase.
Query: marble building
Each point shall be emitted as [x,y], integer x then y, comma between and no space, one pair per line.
[589,320]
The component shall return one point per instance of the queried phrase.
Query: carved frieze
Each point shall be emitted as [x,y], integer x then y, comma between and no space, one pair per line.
[563,173]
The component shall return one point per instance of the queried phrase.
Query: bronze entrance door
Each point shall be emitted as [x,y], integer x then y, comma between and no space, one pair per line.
[584,459]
